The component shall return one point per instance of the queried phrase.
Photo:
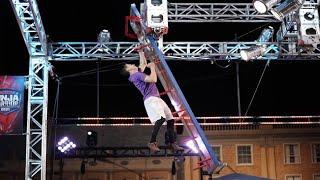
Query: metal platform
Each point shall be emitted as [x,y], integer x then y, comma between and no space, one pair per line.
[122,152]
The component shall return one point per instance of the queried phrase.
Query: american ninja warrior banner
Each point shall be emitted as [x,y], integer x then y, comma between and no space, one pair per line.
[11,104]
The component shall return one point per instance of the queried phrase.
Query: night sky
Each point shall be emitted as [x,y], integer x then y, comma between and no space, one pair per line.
[287,88]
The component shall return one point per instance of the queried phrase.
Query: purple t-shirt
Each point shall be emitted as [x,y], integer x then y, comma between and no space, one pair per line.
[147,89]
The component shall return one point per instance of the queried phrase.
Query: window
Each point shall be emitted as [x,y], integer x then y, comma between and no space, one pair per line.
[244,154]
[292,153]
[316,153]
[316,177]
[293,177]
[217,151]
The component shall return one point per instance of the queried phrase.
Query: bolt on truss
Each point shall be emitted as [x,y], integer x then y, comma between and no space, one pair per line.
[32,29]
[186,51]
[216,12]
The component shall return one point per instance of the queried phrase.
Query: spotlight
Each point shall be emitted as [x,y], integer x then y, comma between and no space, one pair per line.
[92,139]
[104,36]
[258,50]
[262,6]
[265,35]
[286,8]
[192,146]
[253,52]
[65,145]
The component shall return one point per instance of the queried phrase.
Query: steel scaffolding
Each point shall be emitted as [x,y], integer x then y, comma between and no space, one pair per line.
[216,12]
[185,51]
[30,23]
[118,152]
[32,29]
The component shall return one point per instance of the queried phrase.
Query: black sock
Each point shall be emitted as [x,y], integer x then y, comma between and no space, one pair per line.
[170,131]
[156,129]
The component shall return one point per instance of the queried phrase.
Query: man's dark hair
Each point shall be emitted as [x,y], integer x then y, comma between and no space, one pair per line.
[123,71]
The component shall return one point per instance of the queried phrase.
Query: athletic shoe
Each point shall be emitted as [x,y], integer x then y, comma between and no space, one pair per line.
[176,147]
[153,147]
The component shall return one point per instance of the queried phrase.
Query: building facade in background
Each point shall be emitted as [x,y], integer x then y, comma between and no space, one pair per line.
[275,151]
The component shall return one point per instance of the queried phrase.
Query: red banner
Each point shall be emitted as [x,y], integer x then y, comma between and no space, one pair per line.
[11,104]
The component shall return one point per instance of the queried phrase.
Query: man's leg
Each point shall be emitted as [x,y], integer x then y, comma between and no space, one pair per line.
[170,131]
[172,136]
[153,141]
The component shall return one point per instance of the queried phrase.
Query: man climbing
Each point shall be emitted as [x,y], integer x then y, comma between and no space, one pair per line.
[157,110]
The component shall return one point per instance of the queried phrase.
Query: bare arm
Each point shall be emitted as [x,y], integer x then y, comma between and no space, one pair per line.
[153,75]
[143,61]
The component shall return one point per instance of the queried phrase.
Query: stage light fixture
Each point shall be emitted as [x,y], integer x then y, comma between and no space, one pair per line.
[92,138]
[65,145]
[262,6]
[258,50]
[265,35]
[104,36]
[253,52]
[286,8]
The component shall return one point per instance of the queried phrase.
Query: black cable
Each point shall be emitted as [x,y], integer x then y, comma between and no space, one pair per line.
[221,66]
[98,88]
[101,85]
[93,71]
[54,125]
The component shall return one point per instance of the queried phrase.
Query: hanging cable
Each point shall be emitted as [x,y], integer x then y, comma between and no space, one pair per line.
[98,89]
[54,125]
[93,71]
[238,89]
[258,85]
[260,27]
[221,66]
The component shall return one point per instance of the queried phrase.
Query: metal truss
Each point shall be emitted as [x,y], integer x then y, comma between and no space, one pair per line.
[216,12]
[36,139]
[32,29]
[288,30]
[29,20]
[186,51]
[30,23]
[121,152]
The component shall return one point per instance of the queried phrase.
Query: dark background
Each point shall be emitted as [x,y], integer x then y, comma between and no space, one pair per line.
[287,88]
